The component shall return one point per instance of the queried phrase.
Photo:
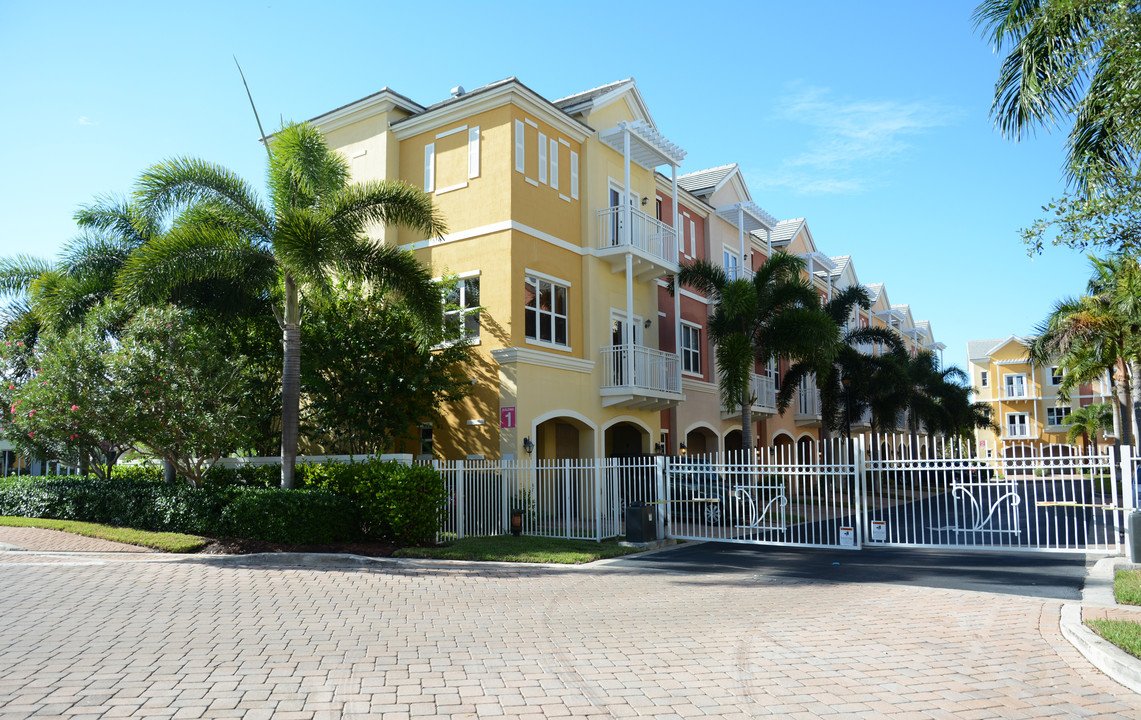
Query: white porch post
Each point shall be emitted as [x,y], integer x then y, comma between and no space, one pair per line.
[677,288]
[769,242]
[741,237]
[626,214]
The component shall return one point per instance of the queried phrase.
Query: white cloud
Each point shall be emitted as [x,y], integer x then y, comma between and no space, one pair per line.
[84,120]
[847,139]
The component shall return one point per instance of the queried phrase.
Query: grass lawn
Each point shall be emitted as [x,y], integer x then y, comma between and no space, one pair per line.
[1125,634]
[526,548]
[168,542]
[1127,587]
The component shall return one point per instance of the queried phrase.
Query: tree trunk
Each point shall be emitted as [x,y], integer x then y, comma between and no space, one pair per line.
[1124,405]
[168,471]
[290,383]
[913,431]
[747,422]
[84,463]
[1135,376]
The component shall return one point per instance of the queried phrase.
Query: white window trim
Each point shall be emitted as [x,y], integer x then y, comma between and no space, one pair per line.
[545,276]
[574,174]
[1057,408]
[1050,374]
[551,344]
[473,341]
[1025,385]
[681,350]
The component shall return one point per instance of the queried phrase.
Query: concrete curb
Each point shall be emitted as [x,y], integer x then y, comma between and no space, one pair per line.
[1117,664]
[1107,657]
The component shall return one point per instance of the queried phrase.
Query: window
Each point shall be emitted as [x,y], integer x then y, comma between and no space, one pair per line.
[462,308]
[545,311]
[985,382]
[691,349]
[426,441]
[1017,425]
[658,208]
[1055,376]
[731,263]
[1057,415]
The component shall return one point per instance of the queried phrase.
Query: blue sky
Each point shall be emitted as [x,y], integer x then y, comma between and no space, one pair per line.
[869,119]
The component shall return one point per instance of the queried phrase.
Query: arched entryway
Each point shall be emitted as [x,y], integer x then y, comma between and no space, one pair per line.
[563,437]
[783,446]
[627,439]
[700,440]
[734,441]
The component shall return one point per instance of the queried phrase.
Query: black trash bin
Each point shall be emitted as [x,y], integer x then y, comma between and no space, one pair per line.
[640,523]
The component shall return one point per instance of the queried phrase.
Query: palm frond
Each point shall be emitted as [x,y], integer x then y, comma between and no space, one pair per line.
[386,202]
[303,171]
[390,269]
[17,273]
[178,183]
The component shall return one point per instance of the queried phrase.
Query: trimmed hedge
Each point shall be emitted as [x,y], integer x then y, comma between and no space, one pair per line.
[312,516]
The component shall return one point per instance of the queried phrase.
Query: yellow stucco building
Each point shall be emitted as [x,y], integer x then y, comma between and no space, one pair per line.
[565,219]
[1024,399]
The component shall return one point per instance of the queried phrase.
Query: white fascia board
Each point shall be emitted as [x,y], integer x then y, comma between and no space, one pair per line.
[641,110]
[509,93]
[381,102]
[1004,342]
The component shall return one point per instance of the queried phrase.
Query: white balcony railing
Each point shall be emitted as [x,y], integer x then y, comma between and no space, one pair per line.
[1019,432]
[653,370]
[763,390]
[1014,392]
[807,401]
[738,272]
[647,234]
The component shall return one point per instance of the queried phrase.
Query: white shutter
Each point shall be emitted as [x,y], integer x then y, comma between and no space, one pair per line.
[693,238]
[520,159]
[574,175]
[554,164]
[542,158]
[429,167]
[473,152]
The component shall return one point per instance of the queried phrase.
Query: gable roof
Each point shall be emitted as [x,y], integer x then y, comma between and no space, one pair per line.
[706,182]
[874,291]
[786,230]
[841,262]
[984,349]
[573,103]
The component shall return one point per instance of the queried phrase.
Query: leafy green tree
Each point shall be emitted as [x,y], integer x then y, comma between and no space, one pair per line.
[180,398]
[312,231]
[1070,61]
[1088,422]
[373,381]
[68,407]
[1110,220]
[775,315]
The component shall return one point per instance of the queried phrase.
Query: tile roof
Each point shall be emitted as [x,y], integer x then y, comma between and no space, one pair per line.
[841,262]
[695,182]
[587,95]
[786,230]
[978,349]
[874,290]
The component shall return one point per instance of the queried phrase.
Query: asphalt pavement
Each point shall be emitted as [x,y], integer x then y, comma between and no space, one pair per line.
[1054,576]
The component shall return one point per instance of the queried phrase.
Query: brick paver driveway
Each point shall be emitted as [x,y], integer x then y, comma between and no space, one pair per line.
[138,636]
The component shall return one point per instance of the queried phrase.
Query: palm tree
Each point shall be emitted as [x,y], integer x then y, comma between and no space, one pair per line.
[775,315]
[828,367]
[1088,421]
[1068,59]
[313,231]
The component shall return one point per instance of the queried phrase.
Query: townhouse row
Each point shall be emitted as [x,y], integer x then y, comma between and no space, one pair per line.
[565,220]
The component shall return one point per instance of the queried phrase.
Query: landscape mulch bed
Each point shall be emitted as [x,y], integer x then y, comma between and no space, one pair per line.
[237,546]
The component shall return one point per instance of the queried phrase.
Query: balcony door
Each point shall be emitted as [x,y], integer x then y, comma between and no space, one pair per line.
[1015,386]
[1017,425]
[616,217]
[618,338]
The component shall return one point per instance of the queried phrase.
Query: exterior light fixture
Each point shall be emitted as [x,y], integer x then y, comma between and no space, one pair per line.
[681,449]
[528,446]
[659,448]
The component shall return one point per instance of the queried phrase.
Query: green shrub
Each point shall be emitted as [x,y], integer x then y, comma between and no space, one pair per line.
[151,473]
[287,516]
[397,502]
[263,476]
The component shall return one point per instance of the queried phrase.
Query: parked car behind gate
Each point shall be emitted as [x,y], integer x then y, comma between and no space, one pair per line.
[698,491]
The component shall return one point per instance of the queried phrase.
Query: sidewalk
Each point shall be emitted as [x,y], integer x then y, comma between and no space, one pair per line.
[1098,603]
[41,540]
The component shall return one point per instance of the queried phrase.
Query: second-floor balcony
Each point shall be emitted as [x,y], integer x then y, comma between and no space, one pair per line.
[763,391]
[1017,392]
[807,404]
[1016,431]
[736,272]
[639,377]
[651,243]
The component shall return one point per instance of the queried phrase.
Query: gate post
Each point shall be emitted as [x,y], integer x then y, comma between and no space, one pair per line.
[1128,500]
[461,511]
[660,477]
[859,504]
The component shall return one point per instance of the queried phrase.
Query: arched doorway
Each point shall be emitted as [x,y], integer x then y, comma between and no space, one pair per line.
[563,437]
[734,441]
[783,446]
[626,439]
[700,441]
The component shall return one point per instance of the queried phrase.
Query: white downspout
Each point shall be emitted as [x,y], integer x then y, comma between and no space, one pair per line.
[740,239]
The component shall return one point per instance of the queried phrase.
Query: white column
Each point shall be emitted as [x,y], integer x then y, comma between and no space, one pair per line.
[677,288]
[769,242]
[741,235]
[629,318]
[626,215]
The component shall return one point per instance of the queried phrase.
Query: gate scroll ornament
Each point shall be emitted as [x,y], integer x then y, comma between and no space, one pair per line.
[960,490]
[741,492]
